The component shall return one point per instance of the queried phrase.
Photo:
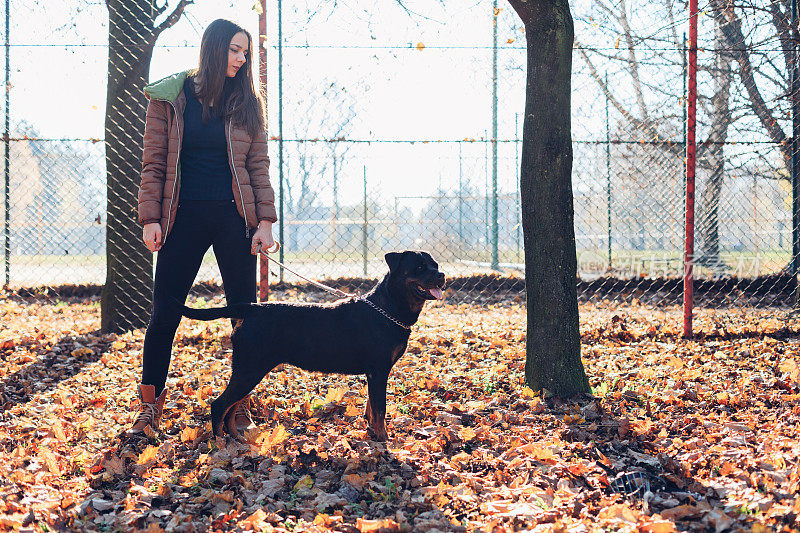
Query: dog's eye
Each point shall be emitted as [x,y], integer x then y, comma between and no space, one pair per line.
[419,269]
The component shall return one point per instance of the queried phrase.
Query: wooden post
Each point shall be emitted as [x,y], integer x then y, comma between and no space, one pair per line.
[263,271]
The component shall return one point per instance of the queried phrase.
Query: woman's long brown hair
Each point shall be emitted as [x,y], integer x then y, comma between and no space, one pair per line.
[238,95]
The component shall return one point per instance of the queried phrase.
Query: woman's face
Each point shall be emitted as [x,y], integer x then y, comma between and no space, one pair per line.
[237,53]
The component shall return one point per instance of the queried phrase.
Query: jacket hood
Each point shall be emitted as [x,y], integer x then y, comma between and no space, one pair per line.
[167,88]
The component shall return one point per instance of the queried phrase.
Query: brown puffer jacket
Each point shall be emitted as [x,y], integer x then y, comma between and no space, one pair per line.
[163,133]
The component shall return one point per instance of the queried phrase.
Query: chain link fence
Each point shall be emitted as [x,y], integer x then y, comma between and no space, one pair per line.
[382,137]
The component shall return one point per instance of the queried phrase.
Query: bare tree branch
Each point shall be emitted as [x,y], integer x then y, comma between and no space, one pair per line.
[160,10]
[732,30]
[634,66]
[783,31]
[678,43]
[172,19]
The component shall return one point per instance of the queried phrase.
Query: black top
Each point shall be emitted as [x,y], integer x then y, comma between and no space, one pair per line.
[205,171]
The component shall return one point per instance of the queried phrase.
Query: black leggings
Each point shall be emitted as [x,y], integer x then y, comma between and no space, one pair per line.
[198,225]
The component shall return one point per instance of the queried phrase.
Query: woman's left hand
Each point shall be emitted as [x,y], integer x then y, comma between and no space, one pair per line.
[262,236]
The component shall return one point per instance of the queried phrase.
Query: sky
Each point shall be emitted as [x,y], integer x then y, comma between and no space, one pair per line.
[395,89]
[424,74]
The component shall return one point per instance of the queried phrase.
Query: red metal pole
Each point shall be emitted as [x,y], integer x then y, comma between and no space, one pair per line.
[263,281]
[691,124]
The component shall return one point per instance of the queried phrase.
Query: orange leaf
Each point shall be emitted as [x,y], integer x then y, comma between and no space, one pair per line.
[658,527]
[466,434]
[58,431]
[384,525]
[577,469]
[50,461]
[358,481]
[335,395]
[189,434]
[64,399]
[432,384]
[254,521]
[268,439]
[98,400]
[323,520]
[148,455]
[618,511]
[352,408]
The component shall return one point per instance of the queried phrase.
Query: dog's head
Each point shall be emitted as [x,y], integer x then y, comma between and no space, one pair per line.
[416,274]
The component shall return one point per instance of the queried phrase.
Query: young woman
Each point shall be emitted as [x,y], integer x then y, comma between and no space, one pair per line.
[204,184]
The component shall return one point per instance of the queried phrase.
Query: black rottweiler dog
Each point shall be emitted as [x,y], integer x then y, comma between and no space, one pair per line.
[365,335]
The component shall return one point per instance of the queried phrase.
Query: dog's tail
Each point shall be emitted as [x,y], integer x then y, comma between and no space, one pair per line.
[211,313]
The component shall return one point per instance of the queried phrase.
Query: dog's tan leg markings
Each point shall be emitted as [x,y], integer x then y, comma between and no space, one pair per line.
[379,427]
[398,352]
[368,413]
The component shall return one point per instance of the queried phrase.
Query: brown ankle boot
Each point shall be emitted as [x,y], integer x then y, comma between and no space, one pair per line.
[150,409]
[242,418]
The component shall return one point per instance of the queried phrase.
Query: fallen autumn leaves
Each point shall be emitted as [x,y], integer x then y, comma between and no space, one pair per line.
[710,426]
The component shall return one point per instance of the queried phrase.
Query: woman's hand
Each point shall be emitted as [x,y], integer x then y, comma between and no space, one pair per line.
[152,236]
[262,236]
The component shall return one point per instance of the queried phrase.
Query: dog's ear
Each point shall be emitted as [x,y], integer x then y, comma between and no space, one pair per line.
[393,260]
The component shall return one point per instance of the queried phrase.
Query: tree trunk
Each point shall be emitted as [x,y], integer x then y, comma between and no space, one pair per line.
[126,297]
[553,337]
[708,219]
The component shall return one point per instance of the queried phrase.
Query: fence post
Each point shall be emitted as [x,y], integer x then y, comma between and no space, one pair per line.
[460,203]
[486,186]
[495,229]
[608,177]
[795,162]
[519,257]
[7,139]
[280,135]
[397,221]
[263,281]
[684,75]
[364,237]
[688,258]
[334,240]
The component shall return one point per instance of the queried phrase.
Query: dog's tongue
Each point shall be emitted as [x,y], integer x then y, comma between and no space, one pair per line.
[436,292]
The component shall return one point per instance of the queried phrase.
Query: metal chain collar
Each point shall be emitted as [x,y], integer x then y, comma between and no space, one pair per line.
[384,313]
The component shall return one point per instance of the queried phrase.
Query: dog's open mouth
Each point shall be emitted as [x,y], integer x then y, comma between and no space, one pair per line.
[430,293]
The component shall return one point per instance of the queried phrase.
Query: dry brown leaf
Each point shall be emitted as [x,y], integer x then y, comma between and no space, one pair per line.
[680,512]
[619,512]
[50,460]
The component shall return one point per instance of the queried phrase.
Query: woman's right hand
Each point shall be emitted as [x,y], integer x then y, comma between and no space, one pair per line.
[152,236]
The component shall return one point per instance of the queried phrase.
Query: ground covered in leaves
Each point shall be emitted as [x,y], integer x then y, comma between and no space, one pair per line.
[698,435]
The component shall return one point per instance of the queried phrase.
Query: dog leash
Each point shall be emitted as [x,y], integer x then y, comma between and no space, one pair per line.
[331,290]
